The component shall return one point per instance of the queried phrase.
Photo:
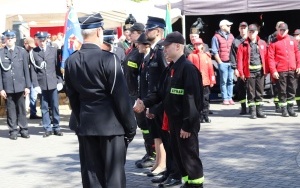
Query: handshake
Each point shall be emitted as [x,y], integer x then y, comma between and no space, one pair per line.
[138,106]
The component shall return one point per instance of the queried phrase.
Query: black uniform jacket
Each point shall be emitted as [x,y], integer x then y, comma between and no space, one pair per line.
[181,91]
[17,78]
[98,93]
[48,77]
[131,70]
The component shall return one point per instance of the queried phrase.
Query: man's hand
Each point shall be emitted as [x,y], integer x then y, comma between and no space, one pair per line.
[148,114]
[139,106]
[184,134]
[243,77]
[3,94]
[59,86]
[236,73]
[38,90]
[298,70]
[275,75]
[26,92]
[62,70]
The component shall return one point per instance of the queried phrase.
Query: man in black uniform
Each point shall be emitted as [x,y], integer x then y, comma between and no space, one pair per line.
[108,44]
[182,95]
[131,65]
[46,70]
[14,84]
[100,102]
[150,71]
[241,84]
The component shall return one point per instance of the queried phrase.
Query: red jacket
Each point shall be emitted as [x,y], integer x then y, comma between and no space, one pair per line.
[284,54]
[243,57]
[203,62]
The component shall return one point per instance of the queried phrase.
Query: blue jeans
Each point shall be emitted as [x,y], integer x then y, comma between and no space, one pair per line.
[32,101]
[226,80]
[50,98]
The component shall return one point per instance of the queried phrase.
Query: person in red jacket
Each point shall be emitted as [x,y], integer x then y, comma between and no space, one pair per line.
[202,60]
[251,64]
[284,63]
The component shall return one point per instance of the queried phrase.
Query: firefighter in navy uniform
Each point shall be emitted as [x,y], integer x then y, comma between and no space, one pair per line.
[241,84]
[108,44]
[252,66]
[181,93]
[150,71]
[100,103]
[14,84]
[132,62]
[297,98]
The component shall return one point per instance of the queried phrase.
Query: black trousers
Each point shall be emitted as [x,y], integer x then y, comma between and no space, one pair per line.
[286,85]
[186,151]
[297,98]
[206,92]
[16,112]
[102,160]
[241,88]
[255,88]
[172,168]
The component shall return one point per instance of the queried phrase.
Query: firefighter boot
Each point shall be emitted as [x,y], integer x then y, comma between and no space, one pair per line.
[252,112]
[277,108]
[259,112]
[291,111]
[284,111]
[243,109]
[298,104]
[149,159]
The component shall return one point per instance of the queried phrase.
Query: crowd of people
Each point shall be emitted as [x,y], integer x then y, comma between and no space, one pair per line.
[150,80]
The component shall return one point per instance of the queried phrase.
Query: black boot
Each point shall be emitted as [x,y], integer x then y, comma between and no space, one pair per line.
[284,111]
[243,109]
[206,119]
[252,112]
[291,111]
[298,104]
[277,108]
[259,112]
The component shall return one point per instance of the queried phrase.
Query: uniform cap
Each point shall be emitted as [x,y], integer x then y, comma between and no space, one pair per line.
[9,33]
[243,24]
[198,41]
[297,32]
[283,26]
[137,27]
[42,35]
[130,20]
[252,27]
[109,36]
[174,37]
[155,22]
[142,39]
[225,22]
[91,21]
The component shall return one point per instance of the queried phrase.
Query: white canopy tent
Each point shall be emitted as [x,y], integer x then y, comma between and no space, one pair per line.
[52,13]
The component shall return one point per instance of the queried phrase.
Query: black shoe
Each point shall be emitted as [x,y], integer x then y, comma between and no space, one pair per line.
[47,133]
[24,134]
[58,133]
[160,179]
[140,160]
[210,112]
[152,174]
[35,117]
[170,182]
[148,162]
[207,120]
[13,136]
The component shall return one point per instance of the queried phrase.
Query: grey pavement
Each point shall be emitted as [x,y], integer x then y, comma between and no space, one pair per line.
[237,152]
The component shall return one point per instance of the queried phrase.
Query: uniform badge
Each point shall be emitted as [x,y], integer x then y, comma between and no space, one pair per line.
[194,31]
[127,26]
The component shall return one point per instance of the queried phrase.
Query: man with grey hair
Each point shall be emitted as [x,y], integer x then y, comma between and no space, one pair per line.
[101,105]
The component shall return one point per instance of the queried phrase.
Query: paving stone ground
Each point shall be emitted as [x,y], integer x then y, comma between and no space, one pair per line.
[236,152]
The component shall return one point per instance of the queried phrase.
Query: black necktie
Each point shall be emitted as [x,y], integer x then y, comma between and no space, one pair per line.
[11,51]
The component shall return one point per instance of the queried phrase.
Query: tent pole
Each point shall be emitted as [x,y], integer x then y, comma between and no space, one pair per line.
[183,25]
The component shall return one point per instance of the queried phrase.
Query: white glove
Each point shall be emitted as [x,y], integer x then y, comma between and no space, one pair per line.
[38,90]
[59,86]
